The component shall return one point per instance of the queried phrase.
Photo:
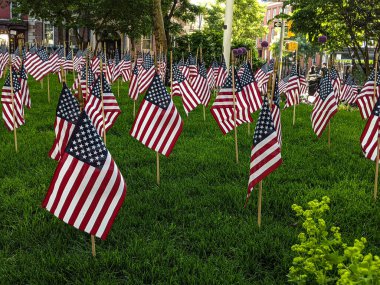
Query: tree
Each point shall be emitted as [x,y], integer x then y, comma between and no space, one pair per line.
[354,24]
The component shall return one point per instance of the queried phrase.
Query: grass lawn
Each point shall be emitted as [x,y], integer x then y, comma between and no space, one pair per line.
[192,229]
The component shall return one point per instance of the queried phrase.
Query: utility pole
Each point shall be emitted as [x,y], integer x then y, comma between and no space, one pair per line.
[227,31]
[281,43]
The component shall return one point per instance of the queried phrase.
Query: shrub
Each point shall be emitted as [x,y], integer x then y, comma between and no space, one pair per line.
[323,258]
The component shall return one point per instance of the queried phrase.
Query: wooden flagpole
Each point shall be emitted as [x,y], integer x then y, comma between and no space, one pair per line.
[329,125]
[134,101]
[72,58]
[200,60]
[378,139]
[249,55]
[259,202]
[234,104]
[157,154]
[65,55]
[13,101]
[171,73]
[118,81]
[101,96]
[299,88]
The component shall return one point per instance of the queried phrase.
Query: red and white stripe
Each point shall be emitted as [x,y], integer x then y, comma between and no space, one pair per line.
[202,89]
[189,98]
[84,196]
[8,108]
[146,78]
[365,99]
[157,128]
[370,136]
[63,130]
[323,111]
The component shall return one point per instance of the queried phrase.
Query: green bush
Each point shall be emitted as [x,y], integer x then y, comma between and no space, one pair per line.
[323,258]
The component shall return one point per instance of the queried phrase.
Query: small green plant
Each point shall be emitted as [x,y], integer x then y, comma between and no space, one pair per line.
[323,258]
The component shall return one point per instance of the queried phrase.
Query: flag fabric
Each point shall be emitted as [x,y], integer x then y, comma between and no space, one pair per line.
[283,83]
[292,91]
[7,107]
[262,75]
[95,63]
[212,73]
[222,73]
[94,107]
[335,80]
[38,64]
[69,64]
[192,64]
[250,88]
[147,73]
[158,124]
[303,85]
[349,90]
[370,136]
[223,107]
[365,98]
[133,91]
[126,67]
[24,88]
[80,82]
[56,60]
[183,87]
[162,66]
[276,113]
[325,106]
[67,115]
[87,189]
[116,71]
[79,60]
[184,68]
[266,151]
[201,87]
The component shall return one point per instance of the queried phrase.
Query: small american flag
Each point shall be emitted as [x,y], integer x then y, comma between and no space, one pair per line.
[192,64]
[335,82]
[6,100]
[67,115]
[293,88]
[283,83]
[266,151]
[222,73]
[325,106]
[185,89]
[370,136]
[90,194]
[158,124]
[38,65]
[184,68]
[262,75]
[126,67]
[365,98]
[201,87]
[223,108]
[116,72]
[303,85]
[133,91]
[250,88]
[147,73]
[68,65]
[212,73]
[349,90]
[24,91]
[94,109]
[276,113]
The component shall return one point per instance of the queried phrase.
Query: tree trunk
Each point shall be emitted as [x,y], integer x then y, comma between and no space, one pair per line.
[158,25]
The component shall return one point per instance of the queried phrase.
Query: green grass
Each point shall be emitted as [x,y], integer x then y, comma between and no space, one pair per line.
[192,229]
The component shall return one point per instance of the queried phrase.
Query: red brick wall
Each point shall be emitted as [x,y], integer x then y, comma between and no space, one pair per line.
[5,11]
[38,31]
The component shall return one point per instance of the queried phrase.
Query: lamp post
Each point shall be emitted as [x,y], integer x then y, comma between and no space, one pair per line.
[264,45]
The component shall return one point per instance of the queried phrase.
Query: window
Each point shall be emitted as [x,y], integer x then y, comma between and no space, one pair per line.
[13,11]
[272,35]
[145,45]
[48,34]
[268,15]
[274,12]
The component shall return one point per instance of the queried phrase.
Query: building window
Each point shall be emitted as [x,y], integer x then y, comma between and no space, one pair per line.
[268,15]
[272,35]
[274,12]
[48,34]
[145,45]
[13,11]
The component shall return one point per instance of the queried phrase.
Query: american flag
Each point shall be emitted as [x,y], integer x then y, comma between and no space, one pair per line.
[79,60]
[184,68]
[276,113]
[24,88]
[126,67]
[222,73]
[303,85]
[370,136]
[68,65]
[223,108]
[108,70]
[147,73]
[250,88]
[4,60]
[16,59]
[67,115]
[133,91]
[80,82]
[162,66]
[17,107]
[185,89]
[283,83]
[292,91]
[201,87]
[266,151]
[325,106]
[56,60]
[262,75]
[38,64]
[90,194]
[94,108]
[140,59]
[116,72]
[335,82]
[365,98]
[95,63]
[158,123]
[192,64]
[212,73]
[349,90]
